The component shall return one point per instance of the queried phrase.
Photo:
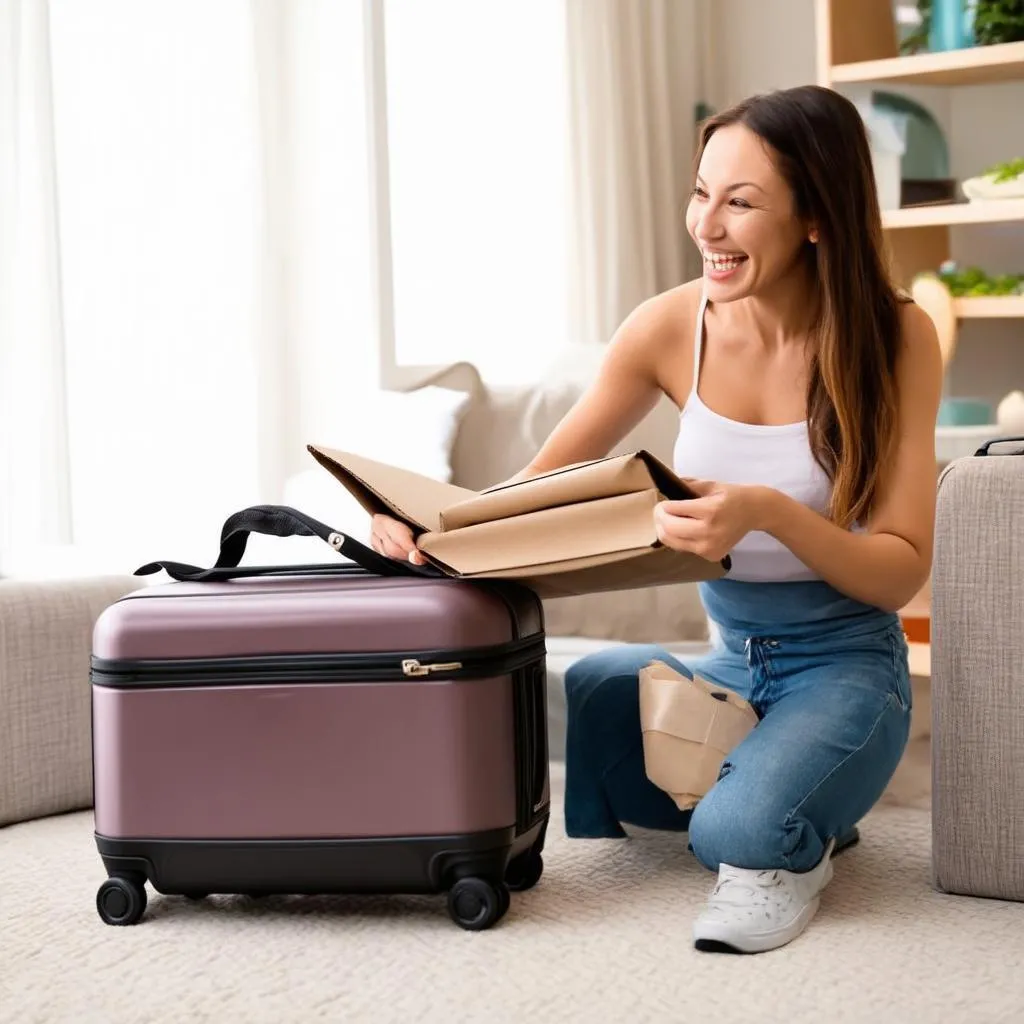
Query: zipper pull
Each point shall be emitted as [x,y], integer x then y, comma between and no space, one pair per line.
[412,667]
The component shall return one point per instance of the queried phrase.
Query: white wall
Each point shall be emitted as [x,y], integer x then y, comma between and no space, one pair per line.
[759,45]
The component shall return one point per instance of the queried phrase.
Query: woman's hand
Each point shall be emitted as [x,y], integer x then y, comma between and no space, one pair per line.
[711,524]
[393,538]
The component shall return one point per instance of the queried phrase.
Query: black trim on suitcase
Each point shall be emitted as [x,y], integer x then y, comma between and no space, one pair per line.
[529,703]
[376,666]
[400,864]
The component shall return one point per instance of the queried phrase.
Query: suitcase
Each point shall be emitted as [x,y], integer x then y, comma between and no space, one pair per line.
[337,728]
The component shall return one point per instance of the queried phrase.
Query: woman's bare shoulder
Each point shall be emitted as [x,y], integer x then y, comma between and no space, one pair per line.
[666,323]
[919,339]
[678,302]
[657,324]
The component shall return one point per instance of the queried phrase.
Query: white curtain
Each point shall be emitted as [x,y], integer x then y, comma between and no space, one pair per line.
[208,305]
[635,82]
[35,502]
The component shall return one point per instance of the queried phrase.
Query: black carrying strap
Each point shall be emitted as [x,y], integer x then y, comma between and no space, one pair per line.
[1019,450]
[282,521]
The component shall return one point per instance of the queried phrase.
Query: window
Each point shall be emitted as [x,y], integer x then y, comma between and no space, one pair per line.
[477,147]
[216,238]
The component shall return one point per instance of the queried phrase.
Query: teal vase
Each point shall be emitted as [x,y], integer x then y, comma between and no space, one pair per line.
[952,25]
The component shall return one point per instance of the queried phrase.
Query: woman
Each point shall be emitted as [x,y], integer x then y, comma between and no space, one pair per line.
[808,391]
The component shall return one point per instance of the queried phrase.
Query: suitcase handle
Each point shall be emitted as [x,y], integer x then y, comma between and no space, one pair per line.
[282,521]
[984,449]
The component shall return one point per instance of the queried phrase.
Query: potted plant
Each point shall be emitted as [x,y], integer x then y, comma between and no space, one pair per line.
[952,24]
[998,21]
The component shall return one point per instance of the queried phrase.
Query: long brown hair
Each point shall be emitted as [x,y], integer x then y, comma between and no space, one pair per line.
[820,146]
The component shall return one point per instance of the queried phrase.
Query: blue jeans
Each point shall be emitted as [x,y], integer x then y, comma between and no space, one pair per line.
[829,679]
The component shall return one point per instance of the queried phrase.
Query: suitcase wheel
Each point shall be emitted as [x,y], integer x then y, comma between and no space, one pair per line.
[121,901]
[476,904]
[523,872]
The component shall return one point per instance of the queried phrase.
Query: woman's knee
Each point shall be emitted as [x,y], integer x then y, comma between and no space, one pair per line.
[744,830]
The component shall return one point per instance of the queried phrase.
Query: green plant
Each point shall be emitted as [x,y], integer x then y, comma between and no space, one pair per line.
[918,39]
[973,282]
[998,21]
[995,21]
[1007,171]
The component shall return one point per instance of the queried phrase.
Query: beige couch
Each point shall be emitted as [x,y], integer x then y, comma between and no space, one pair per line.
[45,730]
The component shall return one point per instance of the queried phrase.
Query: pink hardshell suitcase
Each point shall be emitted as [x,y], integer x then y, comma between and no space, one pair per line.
[367,727]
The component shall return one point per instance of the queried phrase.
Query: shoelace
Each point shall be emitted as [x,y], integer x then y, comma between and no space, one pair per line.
[742,891]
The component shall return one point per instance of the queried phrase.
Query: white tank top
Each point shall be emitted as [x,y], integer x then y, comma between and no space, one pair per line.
[711,447]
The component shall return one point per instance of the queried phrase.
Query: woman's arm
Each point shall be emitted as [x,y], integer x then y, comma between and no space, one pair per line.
[888,563]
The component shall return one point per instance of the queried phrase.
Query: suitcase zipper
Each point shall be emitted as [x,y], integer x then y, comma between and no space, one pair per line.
[412,667]
[467,663]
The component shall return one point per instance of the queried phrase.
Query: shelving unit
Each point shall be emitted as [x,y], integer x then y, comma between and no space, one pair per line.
[961,442]
[988,211]
[857,43]
[987,307]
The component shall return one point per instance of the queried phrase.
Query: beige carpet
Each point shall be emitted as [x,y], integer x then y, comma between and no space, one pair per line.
[604,937]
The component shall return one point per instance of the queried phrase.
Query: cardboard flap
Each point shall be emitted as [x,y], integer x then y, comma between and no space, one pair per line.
[650,566]
[585,481]
[619,523]
[416,499]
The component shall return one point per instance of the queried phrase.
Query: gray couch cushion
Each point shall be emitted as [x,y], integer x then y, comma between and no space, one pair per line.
[45,735]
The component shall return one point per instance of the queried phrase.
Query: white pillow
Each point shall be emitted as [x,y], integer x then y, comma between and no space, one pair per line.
[411,429]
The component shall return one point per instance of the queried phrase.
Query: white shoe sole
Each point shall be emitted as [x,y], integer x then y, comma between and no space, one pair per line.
[722,937]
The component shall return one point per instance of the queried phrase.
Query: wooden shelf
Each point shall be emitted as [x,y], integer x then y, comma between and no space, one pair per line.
[975,65]
[987,211]
[962,442]
[989,306]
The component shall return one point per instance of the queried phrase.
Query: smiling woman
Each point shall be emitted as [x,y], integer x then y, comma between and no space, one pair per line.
[808,393]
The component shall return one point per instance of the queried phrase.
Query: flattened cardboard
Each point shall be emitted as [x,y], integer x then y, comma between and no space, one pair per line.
[580,529]
[585,481]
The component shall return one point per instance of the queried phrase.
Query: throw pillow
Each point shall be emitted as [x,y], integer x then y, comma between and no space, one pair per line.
[414,430]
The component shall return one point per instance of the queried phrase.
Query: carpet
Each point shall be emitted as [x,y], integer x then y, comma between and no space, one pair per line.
[605,936]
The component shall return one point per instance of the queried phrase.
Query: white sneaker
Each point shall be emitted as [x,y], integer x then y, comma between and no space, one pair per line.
[754,911]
